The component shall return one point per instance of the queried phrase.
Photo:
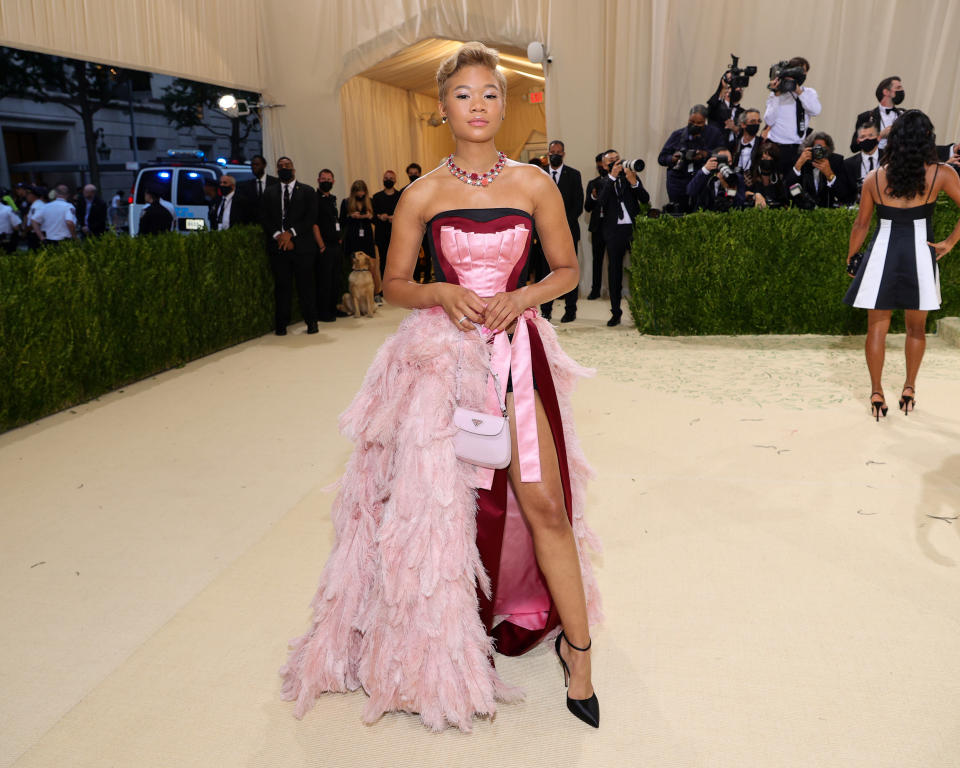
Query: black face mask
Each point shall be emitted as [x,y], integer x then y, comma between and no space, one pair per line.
[694,130]
[285,174]
[388,183]
[766,166]
[898,97]
[325,186]
[412,178]
[556,161]
[735,95]
[360,197]
[868,145]
[224,191]
[751,129]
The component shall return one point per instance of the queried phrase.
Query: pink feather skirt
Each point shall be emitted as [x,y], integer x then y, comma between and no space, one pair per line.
[428,575]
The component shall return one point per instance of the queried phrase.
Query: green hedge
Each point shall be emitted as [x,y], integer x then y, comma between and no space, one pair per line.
[86,317]
[756,271]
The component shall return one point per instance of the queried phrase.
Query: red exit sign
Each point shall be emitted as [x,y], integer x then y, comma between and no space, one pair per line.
[536,97]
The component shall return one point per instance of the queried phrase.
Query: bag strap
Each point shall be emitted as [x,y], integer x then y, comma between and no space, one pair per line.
[496,378]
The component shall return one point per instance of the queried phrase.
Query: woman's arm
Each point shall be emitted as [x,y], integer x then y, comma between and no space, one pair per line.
[950,185]
[399,287]
[557,242]
[861,224]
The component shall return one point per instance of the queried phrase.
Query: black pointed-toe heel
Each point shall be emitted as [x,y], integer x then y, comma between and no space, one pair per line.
[878,406]
[908,402]
[587,710]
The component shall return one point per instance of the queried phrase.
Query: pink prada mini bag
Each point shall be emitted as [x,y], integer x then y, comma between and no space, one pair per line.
[481,438]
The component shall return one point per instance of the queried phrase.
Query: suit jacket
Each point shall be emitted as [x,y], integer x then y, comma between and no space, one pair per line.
[98,215]
[155,220]
[852,166]
[248,188]
[592,206]
[301,215]
[825,197]
[571,190]
[680,139]
[718,113]
[702,192]
[870,116]
[612,193]
[241,211]
[328,220]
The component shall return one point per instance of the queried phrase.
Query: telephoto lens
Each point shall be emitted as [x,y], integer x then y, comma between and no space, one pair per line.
[635,165]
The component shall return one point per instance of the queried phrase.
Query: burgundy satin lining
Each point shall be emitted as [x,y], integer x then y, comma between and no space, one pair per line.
[471,225]
[512,639]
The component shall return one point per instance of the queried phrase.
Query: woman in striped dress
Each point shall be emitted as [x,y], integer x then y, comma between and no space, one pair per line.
[900,268]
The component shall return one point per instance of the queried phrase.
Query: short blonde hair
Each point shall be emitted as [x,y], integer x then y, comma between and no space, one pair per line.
[468,55]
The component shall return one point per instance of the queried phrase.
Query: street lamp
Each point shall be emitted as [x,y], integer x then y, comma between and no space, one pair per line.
[233,107]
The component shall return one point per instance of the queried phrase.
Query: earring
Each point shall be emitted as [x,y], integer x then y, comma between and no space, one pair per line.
[503,117]
[443,119]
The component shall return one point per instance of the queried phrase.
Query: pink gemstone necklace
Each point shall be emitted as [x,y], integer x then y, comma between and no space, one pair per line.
[477,179]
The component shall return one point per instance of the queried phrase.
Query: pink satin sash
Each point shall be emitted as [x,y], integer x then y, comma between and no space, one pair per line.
[514,361]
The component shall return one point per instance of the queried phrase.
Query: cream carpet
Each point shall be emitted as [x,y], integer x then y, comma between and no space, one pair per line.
[780,575]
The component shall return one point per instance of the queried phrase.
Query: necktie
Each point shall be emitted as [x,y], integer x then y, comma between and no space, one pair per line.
[286,202]
[871,164]
[220,213]
[555,176]
[259,189]
[800,118]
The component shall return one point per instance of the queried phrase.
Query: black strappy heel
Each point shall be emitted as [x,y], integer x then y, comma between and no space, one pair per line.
[878,407]
[587,710]
[908,402]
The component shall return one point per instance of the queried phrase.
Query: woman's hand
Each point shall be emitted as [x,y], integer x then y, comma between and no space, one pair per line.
[464,308]
[503,309]
[941,249]
[759,201]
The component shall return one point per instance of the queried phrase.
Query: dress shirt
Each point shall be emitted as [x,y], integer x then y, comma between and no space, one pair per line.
[816,177]
[226,202]
[53,218]
[781,115]
[9,221]
[285,189]
[624,216]
[886,120]
[865,162]
[746,154]
[35,207]
[555,173]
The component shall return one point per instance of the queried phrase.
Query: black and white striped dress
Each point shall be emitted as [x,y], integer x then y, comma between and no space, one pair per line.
[899,269]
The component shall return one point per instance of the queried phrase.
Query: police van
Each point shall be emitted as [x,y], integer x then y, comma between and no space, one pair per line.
[179,178]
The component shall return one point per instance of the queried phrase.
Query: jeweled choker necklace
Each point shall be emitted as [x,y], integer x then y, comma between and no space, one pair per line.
[477,179]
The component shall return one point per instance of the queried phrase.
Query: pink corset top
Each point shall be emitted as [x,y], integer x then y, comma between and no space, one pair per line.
[485,249]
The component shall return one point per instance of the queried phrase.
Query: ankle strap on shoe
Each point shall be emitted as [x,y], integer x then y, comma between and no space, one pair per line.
[567,639]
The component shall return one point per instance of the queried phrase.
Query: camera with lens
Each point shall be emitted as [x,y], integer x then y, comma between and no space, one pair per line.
[801,199]
[634,165]
[737,76]
[819,152]
[790,77]
[686,156]
[723,170]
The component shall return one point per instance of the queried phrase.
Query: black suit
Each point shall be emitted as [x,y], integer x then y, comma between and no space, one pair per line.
[155,220]
[595,227]
[705,195]
[718,112]
[571,190]
[241,212]
[679,141]
[614,196]
[97,223]
[248,188]
[824,196]
[852,166]
[870,116]
[300,217]
[330,270]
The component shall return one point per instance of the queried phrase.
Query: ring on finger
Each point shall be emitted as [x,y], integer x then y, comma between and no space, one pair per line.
[461,319]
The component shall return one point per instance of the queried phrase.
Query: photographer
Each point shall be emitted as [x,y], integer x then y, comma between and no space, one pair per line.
[789,109]
[765,187]
[820,175]
[724,110]
[620,197]
[867,159]
[717,186]
[748,142]
[889,93]
[684,154]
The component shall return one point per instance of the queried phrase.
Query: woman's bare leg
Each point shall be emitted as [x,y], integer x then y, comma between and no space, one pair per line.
[878,323]
[916,344]
[555,547]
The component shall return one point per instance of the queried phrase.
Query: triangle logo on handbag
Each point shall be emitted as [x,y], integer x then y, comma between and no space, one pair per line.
[476,422]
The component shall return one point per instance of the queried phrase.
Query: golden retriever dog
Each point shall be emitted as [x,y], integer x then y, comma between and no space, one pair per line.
[360,299]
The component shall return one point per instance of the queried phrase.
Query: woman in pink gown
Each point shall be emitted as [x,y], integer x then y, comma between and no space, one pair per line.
[438,562]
